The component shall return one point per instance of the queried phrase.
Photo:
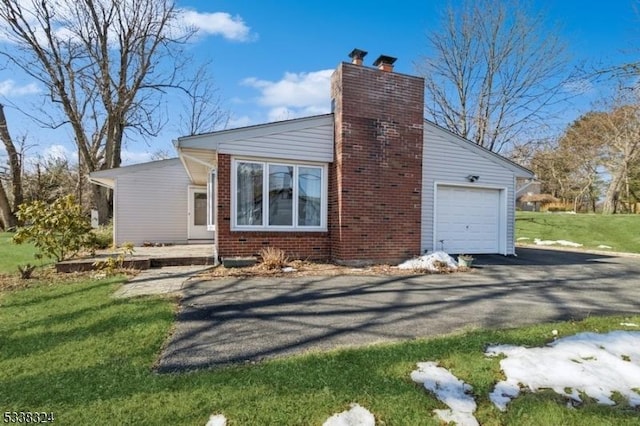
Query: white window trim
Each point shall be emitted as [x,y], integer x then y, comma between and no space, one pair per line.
[211,197]
[265,227]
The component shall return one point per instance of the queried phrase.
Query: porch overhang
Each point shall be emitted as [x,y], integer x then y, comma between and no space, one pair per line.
[198,163]
[106,178]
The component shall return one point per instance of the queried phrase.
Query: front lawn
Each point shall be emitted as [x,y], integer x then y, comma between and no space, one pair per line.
[73,350]
[12,255]
[593,231]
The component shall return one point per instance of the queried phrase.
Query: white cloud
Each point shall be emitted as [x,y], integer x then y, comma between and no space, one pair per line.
[242,121]
[219,23]
[132,157]
[215,23]
[295,95]
[9,88]
[579,87]
[60,152]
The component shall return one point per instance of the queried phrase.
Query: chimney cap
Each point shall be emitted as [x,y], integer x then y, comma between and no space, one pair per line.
[358,54]
[384,60]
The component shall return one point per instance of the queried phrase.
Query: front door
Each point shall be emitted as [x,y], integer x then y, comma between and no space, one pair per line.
[197,229]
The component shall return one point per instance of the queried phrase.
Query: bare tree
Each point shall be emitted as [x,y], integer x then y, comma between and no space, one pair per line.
[621,128]
[106,66]
[7,217]
[496,72]
[202,108]
[600,145]
[14,175]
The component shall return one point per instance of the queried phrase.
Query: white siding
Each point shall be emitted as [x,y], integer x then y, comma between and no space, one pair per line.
[303,139]
[151,204]
[449,160]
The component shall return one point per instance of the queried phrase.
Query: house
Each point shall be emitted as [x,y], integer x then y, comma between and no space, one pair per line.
[371,182]
[156,202]
[527,188]
[529,196]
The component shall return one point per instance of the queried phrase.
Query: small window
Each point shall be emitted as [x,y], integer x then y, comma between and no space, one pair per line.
[280,195]
[309,196]
[249,193]
[296,196]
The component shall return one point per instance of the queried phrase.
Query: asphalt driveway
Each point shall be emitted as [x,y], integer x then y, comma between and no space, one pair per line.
[246,320]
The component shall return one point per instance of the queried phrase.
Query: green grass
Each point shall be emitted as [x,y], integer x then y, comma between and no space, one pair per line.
[73,350]
[12,255]
[621,232]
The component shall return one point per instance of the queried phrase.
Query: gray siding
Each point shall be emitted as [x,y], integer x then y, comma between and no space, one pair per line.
[304,139]
[448,159]
[151,205]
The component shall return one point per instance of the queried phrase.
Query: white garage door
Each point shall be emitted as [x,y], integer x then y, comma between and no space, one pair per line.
[467,220]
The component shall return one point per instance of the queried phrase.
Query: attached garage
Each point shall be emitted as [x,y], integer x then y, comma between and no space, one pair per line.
[468,196]
[469,220]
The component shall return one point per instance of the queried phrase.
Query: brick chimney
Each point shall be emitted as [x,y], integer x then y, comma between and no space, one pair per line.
[357,56]
[376,178]
[384,63]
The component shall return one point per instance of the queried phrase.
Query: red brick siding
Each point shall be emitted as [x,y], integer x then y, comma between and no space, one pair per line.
[299,245]
[375,198]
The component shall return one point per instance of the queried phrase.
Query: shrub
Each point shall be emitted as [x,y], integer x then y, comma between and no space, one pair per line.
[59,229]
[103,236]
[556,207]
[26,271]
[114,264]
[273,258]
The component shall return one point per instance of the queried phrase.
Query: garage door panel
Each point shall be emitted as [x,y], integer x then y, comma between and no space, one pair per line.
[467,219]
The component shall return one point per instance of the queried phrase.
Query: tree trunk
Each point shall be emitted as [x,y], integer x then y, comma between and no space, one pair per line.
[15,163]
[8,217]
[611,198]
[102,200]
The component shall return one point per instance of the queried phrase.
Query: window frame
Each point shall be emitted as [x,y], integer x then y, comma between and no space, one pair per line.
[212,185]
[265,227]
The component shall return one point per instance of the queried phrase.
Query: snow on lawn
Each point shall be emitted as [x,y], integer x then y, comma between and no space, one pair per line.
[217,420]
[448,389]
[595,364]
[431,262]
[565,243]
[355,416]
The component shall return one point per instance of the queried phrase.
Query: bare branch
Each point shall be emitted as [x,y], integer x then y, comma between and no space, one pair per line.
[107,67]
[496,72]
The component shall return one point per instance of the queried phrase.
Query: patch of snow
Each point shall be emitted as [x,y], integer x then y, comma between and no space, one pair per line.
[591,363]
[566,243]
[448,389]
[603,246]
[428,262]
[289,269]
[217,420]
[629,324]
[355,416]
[523,238]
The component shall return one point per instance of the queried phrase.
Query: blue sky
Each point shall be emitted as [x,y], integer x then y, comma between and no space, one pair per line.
[272,59]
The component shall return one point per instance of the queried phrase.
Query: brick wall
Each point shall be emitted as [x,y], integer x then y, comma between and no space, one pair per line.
[375,191]
[298,245]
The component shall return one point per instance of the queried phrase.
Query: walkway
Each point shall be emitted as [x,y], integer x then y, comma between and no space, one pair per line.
[167,280]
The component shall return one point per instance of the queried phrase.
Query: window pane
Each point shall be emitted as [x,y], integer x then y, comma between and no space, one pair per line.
[309,194]
[199,208]
[249,194]
[280,195]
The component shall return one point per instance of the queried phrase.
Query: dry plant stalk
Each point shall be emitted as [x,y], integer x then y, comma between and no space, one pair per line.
[273,258]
